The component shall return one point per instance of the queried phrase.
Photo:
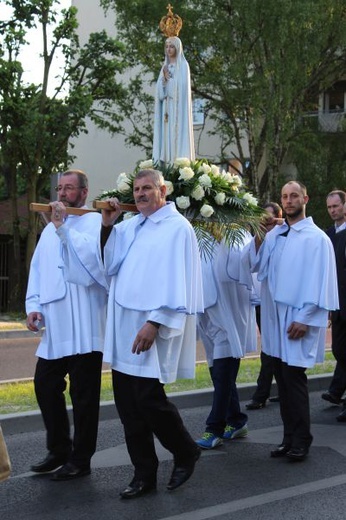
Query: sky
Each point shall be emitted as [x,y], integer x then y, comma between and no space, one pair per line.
[30,56]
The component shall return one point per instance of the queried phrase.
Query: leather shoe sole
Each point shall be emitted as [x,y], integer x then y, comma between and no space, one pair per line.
[280,451]
[69,471]
[254,405]
[137,488]
[297,454]
[182,473]
[50,463]
[275,399]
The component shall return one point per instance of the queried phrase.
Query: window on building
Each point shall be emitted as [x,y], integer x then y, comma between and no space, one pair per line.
[198,111]
[335,98]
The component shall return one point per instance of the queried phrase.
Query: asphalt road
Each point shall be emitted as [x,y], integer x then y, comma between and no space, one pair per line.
[17,357]
[18,360]
[237,481]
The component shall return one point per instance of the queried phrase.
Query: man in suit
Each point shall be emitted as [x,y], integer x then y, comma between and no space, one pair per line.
[337,233]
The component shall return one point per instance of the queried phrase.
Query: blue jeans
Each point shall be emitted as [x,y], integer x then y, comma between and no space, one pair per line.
[226,408]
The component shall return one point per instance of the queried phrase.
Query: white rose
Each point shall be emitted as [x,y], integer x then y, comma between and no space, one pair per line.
[181,162]
[146,165]
[183,202]
[198,192]
[215,170]
[206,210]
[205,180]
[123,183]
[170,187]
[228,177]
[122,176]
[186,173]
[236,179]
[128,215]
[250,199]
[205,168]
[220,198]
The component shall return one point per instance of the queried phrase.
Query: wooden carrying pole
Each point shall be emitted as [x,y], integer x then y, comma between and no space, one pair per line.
[98,204]
[103,204]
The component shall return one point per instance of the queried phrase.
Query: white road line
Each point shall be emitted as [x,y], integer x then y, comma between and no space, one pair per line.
[266,498]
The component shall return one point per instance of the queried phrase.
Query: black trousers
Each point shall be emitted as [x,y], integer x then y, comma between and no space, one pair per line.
[144,410]
[337,385]
[264,380]
[266,374]
[84,372]
[294,403]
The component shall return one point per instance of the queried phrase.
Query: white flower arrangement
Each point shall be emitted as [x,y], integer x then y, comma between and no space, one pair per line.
[220,198]
[216,202]
[183,202]
[180,162]
[123,183]
[169,188]
[207,210]
[205,180]
[145,165]
[198,192]
[185,174]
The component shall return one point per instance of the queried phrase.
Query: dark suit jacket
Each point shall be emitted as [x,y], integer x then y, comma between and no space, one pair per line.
[339,243]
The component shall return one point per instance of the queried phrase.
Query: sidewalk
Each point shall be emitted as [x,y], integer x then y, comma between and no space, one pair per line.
[10,327]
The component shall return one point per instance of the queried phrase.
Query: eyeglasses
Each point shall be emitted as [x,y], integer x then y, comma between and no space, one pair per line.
[68,187]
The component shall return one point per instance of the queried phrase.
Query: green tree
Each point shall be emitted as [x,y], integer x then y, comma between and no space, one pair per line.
[36,126]
[258,64]
[321,161]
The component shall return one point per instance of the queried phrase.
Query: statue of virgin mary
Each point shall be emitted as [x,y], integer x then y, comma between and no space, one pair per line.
[173,128]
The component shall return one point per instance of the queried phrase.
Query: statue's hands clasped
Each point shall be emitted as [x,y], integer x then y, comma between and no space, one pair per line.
[166,74]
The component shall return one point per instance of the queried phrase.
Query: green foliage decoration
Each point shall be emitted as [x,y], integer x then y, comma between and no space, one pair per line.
[216,202]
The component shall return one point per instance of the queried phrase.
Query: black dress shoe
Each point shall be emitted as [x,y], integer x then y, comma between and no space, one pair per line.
[342,416]
[280,451]
[297,454]
[182,472]
[254,405]
[275,399]
[50,463]
[70,471]
[138,488]
[331,398]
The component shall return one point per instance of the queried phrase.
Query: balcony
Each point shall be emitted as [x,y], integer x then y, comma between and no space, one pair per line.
[329,122]
[333,121]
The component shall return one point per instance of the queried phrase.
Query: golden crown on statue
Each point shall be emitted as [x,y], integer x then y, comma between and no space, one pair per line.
[171,24]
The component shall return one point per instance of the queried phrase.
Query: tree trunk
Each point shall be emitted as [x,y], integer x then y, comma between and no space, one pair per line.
[15,300]
[33,219]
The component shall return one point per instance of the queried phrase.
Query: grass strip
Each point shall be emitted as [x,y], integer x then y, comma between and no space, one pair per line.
[19,396]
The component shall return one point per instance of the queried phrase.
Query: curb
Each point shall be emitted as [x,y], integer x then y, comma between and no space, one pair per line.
[18,333]
[32,421]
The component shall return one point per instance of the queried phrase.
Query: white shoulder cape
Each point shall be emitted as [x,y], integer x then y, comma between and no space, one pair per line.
[156,263]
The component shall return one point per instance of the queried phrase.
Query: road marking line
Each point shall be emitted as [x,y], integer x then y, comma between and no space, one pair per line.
[259,500]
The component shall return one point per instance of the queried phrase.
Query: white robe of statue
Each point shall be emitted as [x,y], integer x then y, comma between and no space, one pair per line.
[173,128]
